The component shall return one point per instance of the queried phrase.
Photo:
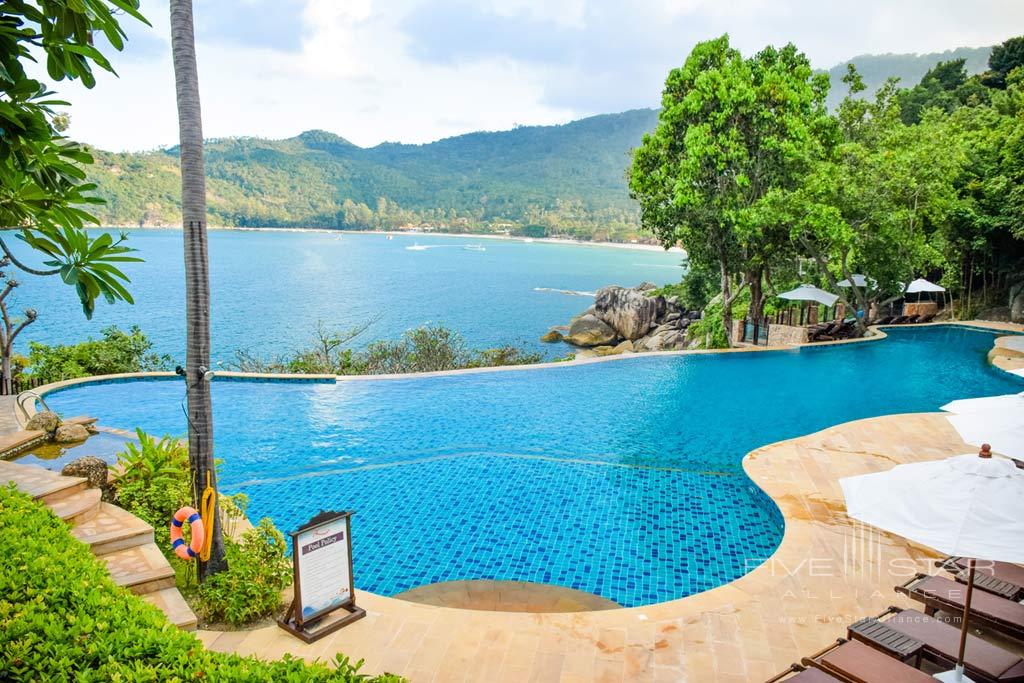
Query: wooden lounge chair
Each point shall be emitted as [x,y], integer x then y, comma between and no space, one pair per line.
[927,318]
[900,319]
[801,674]
[1005,571]
[884,320]
[987,610]
[852,661]
[999,578]
[984,662]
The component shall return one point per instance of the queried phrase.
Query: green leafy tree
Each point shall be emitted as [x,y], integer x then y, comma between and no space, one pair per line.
[116,352]
[42,182]
[1003,60]
[730,131]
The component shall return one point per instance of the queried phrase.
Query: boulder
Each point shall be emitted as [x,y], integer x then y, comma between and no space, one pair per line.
[552,336]
[45,421]
[625,347]
[1017,303]
[70,433]
[654,342]
[645,287]
[92,468]
[628,311]
[605,350]
[589,330]
[585,353]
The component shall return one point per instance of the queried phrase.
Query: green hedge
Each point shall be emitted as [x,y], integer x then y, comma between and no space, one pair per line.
[63,618]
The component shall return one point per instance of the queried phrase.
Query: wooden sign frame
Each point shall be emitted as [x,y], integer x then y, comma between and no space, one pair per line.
[314,626]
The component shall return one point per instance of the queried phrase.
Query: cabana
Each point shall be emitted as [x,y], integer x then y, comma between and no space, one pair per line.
[919,307]
[787,328]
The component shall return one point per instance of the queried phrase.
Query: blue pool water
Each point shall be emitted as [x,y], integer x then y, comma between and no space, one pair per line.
[620,478]
[269,289]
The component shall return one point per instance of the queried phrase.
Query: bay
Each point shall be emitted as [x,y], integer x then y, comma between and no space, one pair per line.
[269,289]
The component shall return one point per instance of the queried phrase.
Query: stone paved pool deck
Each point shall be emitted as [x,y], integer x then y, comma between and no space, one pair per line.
[827,572]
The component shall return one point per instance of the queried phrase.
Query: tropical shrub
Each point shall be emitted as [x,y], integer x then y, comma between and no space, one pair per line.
[250,589]
[118,351]
[429,348]
[63,618]
[154,480]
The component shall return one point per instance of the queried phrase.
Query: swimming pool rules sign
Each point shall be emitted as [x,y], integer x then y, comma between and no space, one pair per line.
[322,568]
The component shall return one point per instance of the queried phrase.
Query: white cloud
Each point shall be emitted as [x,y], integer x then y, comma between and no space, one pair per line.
[418,70]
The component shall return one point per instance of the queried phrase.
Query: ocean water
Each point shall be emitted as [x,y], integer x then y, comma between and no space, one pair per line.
[620,478]
[269,289]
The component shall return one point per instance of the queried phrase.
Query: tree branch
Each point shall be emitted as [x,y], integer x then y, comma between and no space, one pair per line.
[28,269]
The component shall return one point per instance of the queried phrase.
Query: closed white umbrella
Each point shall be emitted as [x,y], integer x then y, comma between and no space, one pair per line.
[810,293]
[1001,427]
[965,505]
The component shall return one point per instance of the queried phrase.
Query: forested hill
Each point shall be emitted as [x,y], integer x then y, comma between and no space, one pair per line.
[566,177]
[909,68]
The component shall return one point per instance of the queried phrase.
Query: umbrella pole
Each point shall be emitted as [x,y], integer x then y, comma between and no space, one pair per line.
[964,619]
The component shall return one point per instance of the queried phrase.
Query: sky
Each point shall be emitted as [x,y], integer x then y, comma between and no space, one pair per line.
[415,71]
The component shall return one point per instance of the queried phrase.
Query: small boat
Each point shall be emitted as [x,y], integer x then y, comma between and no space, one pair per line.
[391,237]
[475,247]
[417,247]
[528,239]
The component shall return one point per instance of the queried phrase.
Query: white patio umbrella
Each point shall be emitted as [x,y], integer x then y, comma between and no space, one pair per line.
[1002,427]
[966,505]
[858,281]
[987,403]
[922,285]
[810,293]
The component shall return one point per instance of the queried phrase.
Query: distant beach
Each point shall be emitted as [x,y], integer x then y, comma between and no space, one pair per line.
[472,236]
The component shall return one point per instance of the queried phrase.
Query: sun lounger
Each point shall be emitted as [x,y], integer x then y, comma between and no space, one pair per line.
[1005,571]
[927,318]
[987,610]
[900,319]
[999,578]
[884,320]
[854,662]
[801,674]
[985,662]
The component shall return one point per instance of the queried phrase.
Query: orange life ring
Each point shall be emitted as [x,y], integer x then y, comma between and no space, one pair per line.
[195,522]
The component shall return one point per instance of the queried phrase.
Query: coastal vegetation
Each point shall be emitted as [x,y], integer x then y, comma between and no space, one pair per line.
[63,618]
[762,184]
[116,351]
[429,348]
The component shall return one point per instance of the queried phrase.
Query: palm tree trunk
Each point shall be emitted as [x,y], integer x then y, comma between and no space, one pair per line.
[197,276]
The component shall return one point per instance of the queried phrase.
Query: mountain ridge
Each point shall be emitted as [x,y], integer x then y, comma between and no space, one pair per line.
[568,178]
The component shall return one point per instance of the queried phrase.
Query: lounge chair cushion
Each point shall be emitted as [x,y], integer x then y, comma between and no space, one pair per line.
[864,664]
[944,640]
[812,676]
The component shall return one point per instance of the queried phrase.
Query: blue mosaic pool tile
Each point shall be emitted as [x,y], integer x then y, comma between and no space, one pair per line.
[632,535]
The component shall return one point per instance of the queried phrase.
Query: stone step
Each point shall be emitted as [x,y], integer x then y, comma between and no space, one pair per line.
[78,507]
[41,483]
[170,602]
[113,529]
[141,568]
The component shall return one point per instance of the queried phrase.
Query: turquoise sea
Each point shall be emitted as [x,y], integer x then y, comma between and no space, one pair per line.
[269,289]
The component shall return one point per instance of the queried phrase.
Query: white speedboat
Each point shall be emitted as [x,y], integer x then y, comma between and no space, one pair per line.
[417,247]
[475,247]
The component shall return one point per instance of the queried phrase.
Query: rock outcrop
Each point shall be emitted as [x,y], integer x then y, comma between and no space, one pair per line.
[93,469]
[630,312]
[44,421]
[1017,303]
[552,336]
[629,320]
[70,433]
[589,330]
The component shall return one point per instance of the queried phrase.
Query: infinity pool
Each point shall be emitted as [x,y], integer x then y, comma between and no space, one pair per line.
[622,479]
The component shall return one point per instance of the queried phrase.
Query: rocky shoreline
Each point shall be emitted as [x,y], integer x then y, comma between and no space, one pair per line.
[627,320]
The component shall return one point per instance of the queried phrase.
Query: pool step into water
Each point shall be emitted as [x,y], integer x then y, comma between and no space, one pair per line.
[122,540]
